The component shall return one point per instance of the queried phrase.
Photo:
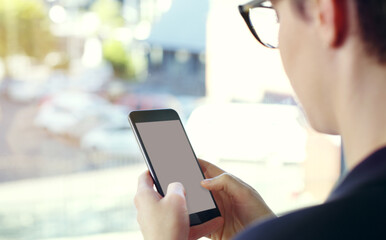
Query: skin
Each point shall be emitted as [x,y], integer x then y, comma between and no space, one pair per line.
[239,204]
[341,88]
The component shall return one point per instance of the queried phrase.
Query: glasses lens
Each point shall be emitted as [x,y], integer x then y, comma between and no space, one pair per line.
[266,25]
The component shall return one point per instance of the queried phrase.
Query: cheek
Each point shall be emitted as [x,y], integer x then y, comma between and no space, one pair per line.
[287,49]
[296,52]
[302,63]
[294,58]
[304,75]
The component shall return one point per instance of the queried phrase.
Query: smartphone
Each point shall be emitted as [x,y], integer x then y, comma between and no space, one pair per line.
[170,158]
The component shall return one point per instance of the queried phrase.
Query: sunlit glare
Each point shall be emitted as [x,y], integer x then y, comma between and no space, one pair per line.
[142,31]
[58,14]
[130,14]
[92,55]
[164,5]
[90,22]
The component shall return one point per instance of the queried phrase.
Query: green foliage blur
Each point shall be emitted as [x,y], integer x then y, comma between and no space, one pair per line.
[127,64]
[109,12]
[114,52]
[25,29]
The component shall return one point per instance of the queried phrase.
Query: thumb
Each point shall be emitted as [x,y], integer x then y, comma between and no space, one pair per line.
[176,189]
[224,182]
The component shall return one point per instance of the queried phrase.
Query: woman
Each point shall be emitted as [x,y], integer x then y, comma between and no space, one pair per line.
[334,53]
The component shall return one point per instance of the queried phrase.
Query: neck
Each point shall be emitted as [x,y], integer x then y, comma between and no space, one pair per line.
[363,115]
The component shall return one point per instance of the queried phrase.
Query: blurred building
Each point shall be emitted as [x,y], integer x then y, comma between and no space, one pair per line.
[177,54]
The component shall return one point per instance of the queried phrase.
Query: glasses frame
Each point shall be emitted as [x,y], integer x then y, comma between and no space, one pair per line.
[244,11]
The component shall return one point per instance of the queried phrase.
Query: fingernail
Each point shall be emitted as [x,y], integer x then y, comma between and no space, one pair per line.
[206,181]
[177,188]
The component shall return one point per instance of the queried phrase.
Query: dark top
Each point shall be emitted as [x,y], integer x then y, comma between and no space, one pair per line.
[356,209]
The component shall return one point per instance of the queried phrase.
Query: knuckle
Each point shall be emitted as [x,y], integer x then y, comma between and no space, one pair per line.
[177,199]
[175,203]
[226,177]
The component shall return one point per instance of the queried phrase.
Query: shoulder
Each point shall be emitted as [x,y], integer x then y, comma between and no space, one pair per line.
[356,210]
[362,215]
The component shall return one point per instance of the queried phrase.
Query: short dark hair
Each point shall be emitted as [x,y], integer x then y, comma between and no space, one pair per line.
[372,22]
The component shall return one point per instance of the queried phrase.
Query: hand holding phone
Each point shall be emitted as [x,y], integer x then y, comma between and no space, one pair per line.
[170,158]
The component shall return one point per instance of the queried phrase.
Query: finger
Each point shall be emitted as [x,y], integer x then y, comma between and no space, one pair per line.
[175,201]
[210,170]
[145,192]
[176,188]
[176,196]
[224,182]
[206,228]
[145,181]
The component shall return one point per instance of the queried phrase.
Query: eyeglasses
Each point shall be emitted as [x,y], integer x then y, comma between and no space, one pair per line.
[262,18]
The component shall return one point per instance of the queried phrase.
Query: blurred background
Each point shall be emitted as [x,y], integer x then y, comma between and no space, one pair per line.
[71,71]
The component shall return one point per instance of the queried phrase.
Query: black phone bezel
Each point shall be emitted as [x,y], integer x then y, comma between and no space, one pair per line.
[167,115]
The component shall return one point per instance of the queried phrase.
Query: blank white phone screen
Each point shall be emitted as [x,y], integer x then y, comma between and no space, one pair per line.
[173,161]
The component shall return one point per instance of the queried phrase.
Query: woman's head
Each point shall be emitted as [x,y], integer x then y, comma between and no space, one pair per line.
[318,41]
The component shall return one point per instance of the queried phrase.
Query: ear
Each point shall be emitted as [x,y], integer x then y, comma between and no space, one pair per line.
[332,20]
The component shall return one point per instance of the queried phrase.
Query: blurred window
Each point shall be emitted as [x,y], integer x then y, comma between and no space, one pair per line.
[71,71]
